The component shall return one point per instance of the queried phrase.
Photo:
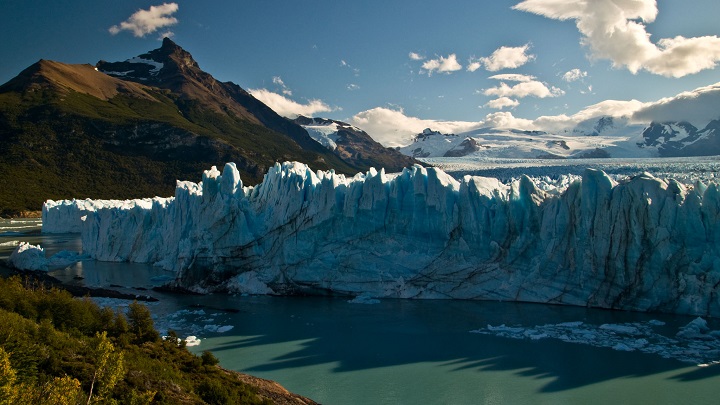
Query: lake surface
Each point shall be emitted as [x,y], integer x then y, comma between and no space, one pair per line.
[423,352]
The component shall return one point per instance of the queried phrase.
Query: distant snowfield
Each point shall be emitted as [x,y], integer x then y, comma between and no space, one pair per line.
[687,170]
[617,141]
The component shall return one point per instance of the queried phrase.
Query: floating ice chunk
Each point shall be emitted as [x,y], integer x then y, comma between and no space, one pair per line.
[28,257]
[503,328]
[533,334]
[65,258]
[364,299]
[696,329]
[692,346]
[218,328]
[248,283]
[623,347]
[574,324]
[628,330]
[192,341]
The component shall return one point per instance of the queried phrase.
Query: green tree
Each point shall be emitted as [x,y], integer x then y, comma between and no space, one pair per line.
[8,388]
[209,359]
[61,391]
[141,323]
[109,369]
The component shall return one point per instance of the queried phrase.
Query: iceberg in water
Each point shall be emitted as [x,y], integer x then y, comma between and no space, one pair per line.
[32,257]
[28,257]
[642,244]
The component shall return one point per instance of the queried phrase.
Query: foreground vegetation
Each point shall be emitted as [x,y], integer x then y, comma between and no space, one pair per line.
[56,349]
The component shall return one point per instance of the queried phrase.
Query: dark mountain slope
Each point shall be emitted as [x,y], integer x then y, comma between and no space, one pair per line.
[71,131]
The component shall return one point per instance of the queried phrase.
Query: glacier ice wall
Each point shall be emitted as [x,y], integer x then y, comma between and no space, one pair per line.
[66,216]
[642,244]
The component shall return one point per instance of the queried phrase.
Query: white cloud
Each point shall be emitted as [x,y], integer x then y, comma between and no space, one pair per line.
[279,81]
[353,86]
[613,108]
[524,89]
[166,34]
[507,57]
[287,107]
[473,65]
[615,30]
[698,107]
[355,70]
[144,22]
[513,77]
[502,102]
[574,75]
[505,119]
[415,56]
[391,127]
[442,65]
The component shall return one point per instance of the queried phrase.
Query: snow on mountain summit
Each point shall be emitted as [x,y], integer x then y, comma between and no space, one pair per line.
[325,131]
[352,143]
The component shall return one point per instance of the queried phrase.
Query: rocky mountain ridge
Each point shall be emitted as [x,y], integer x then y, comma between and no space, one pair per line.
[131,129]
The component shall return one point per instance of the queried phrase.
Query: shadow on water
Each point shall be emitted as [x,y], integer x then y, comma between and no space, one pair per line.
[396,332]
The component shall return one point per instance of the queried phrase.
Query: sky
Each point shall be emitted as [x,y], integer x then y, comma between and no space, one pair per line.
[394,67]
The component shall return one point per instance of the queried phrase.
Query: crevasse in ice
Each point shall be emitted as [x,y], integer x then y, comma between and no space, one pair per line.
[642,244]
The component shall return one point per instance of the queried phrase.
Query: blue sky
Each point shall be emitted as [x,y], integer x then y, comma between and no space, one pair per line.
[400,65]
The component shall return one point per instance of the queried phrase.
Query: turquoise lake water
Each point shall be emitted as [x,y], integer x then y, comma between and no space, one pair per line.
[425,352]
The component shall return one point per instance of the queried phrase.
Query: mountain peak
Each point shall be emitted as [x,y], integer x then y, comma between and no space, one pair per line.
[163,64]
[171,52]
[168,43]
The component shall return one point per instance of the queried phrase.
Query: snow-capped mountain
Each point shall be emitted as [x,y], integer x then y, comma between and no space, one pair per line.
[682,139]
[604,137]
[325,131]
[514,144]
[353,144]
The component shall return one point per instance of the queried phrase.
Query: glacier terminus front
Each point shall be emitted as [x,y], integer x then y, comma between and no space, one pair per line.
[644,243]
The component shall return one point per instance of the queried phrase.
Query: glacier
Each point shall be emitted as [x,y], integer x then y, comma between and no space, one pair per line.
[643,243]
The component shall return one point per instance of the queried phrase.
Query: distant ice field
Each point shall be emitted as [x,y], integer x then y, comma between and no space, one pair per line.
[686,170]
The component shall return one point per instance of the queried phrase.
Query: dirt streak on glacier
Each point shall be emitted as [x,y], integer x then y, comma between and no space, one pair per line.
[644,244]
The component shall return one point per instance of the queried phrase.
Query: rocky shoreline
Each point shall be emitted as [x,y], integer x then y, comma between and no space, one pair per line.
[41,277]
[12,214]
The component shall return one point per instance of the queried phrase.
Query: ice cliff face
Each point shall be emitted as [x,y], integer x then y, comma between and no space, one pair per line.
[644,244]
